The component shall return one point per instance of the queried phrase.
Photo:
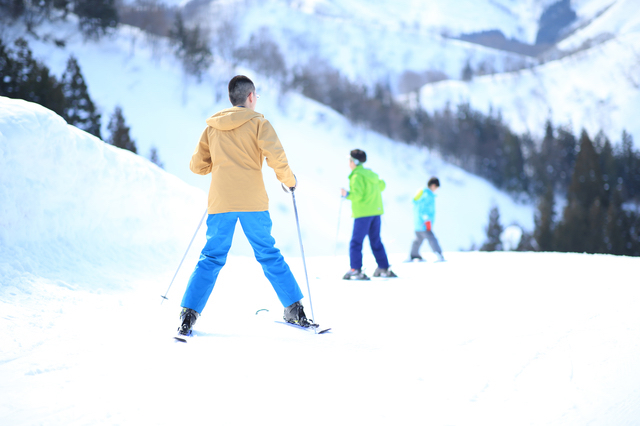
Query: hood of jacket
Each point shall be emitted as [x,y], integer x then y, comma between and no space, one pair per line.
[232,118]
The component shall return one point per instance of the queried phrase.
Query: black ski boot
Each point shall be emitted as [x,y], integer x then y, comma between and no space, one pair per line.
[188,317]
[355,274]
[294,314]
[384,273]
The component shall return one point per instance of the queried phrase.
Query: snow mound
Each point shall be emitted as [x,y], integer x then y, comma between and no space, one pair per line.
[77,213]
[60,183]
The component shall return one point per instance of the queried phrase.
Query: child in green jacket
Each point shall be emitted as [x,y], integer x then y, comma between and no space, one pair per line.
[365,193]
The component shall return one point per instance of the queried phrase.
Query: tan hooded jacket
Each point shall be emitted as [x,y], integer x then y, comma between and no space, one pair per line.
[232,148]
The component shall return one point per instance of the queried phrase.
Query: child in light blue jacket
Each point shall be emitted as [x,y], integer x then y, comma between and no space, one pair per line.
[424,213]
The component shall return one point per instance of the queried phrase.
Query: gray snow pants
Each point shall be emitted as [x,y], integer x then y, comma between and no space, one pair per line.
[420,237]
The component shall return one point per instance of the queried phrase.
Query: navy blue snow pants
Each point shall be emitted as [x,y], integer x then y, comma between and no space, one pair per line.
[362,227]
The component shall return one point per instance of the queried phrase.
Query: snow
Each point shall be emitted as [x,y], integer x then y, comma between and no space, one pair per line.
[572,92]
[511,237]
[614,18]
[372,42]
[91,236]
[595,88]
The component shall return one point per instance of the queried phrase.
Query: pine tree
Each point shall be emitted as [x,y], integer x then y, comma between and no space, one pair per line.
[629,166]
[566,157]
[80,110]
[8,70]
[586,183]
[119,132]
[570,231]
[494,231]
[191,47]
[615,232]
[581,229]
[97,17]
[13,8]
[467,72]
[263,53]
[543,162]
[527,242]
[513,169]
[544,222]
[25,78]
[607,165]
[595,236]
[155,158]
[632,246]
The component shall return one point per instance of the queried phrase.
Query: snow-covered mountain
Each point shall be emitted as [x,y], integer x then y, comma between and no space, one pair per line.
[516,19]
[165,110]
[588,80]
[91,235]
[374,42]
[596,86]
[405,44]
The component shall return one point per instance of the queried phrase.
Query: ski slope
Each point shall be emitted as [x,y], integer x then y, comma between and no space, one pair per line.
[90,237]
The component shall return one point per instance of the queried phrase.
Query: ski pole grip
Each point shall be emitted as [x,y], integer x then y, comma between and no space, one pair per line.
[289,189]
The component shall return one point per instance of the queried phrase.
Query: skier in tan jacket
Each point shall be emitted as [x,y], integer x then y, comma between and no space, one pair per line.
[232,148]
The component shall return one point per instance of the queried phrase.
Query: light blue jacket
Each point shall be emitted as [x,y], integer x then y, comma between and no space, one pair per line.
[424,208]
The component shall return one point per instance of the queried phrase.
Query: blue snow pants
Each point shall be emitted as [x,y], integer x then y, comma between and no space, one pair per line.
[362,227]
[257,228]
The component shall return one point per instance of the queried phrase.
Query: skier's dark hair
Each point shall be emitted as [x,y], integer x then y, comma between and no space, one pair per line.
[358,156]
[239,88]
[433,181]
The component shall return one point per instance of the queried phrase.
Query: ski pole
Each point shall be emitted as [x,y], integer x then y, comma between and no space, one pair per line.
[183,257]
[304,263]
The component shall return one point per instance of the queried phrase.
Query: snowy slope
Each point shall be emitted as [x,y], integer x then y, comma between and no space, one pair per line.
[164,110]
[91,236]
[614,18]
[369,43]
[65,192]
[518,19]
[596,89]
[379,41]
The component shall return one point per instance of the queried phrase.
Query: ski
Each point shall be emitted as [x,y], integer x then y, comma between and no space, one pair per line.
[182,338]
[374,279]
[315,328]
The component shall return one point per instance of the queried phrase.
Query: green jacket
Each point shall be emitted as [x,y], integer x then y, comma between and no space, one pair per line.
[365,193]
